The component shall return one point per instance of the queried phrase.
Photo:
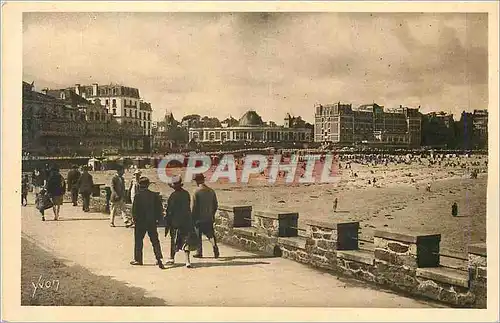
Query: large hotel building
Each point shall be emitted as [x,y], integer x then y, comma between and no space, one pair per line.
[251,128]
[123,102]
[369,123]
[75,121]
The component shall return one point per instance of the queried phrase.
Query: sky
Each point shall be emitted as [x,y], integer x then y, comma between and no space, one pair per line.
[223,64]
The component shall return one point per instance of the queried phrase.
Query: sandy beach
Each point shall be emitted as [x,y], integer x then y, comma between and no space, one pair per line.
[399,201]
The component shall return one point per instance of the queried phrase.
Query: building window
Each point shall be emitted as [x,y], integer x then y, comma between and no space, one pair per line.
[136,113]
[114,103]
[107,101]
[114,112]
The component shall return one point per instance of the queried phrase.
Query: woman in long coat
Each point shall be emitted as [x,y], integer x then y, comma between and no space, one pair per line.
[56,186]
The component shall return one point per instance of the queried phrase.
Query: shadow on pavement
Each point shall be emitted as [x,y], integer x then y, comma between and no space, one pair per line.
[244,257]
[232,263]
[83,219]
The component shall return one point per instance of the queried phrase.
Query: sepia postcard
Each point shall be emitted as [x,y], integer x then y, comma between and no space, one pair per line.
[249,161]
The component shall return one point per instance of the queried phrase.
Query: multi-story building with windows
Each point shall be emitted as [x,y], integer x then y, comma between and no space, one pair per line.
[61,122]
[251,128]
[369,123]
[124,103]
[480,122]
[167,133]
[438,130]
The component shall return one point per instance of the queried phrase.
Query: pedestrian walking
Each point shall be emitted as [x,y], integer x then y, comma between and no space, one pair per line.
[85,186]
[43,202]
[38,179]
[335,203]
[73,177]
[147,211]
[25,187]
[118,198]
[134,185]
[178,214]
[56,186]
[205,206]
[454,209]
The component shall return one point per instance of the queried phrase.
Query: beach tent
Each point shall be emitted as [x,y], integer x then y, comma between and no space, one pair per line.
[94,164]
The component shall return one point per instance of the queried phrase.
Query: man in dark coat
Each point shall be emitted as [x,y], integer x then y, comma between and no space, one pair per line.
[178,216]
[73,177]
[205,206]
[147,210]
[85,185]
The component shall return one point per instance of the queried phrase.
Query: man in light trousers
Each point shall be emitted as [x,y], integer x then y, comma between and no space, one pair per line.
[118,198]
[134,185]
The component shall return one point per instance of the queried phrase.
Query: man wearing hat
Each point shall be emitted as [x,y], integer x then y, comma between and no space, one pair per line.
[178,215]
[204,208]
[85,186]
[134,185]
[73,177]
[117,198]
[147,210]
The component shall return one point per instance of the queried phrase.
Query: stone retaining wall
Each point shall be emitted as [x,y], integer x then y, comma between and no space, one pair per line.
[404,262]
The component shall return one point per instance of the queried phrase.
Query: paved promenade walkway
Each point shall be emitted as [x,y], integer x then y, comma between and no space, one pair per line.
[237,278]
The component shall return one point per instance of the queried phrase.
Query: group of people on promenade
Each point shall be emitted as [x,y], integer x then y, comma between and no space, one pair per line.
[50,186]
[185,219]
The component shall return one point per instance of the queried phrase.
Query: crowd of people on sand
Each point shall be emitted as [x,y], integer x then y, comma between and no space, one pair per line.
[343,164]
[186,218]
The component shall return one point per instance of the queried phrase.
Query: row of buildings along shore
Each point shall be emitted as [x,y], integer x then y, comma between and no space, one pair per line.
[85,119]
[109,119]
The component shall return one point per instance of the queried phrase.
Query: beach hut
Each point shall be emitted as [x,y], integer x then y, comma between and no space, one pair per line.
[94,164]
[154,162]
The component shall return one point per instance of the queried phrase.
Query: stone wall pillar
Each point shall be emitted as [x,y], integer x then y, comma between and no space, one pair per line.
[398,255]
[321,243]
[270,226]
[477,273]
[275,224]
[224,220]
[234,216]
